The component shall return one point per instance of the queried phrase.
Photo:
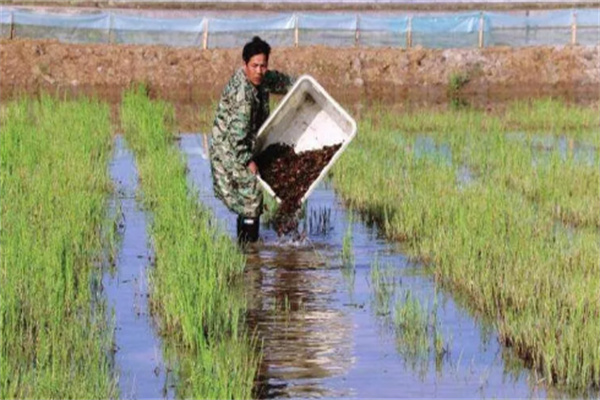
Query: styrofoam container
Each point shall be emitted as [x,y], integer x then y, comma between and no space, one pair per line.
[307,118]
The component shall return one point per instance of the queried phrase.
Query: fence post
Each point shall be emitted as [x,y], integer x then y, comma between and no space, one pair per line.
[481,30]
[574,28]
[409,33]
[110,28]
[296,30]
[205,39]
[12,25]
[357,34]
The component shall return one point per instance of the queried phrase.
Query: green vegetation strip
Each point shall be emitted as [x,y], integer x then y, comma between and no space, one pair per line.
[510,225]
[54,186]
[197,265]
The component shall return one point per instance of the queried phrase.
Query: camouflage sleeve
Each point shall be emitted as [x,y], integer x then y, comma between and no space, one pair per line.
[239,129]
[277,82]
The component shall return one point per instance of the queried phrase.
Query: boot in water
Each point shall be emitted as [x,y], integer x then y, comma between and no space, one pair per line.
[247,229]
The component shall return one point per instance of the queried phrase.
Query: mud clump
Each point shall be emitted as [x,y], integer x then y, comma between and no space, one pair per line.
[290,175]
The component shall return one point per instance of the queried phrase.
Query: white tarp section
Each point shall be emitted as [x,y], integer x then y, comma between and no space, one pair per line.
[167,31]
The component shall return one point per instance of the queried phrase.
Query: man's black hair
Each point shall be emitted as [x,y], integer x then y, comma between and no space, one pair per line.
[256,46]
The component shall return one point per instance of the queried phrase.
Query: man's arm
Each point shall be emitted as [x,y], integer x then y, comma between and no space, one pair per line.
[278,82]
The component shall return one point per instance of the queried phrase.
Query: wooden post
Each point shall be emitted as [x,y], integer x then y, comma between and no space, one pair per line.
[409,33]
[12,25]
[357,34]
[481,30]
[574,28]
[205,39]
[296,31]
[206,145]
[110,28]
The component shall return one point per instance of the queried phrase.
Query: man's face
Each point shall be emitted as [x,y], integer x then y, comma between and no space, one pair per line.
[256,68]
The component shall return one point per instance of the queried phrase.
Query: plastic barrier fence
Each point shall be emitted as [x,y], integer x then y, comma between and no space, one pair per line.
[462,30]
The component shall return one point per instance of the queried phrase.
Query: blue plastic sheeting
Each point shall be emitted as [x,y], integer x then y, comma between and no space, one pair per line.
[134,23]
[588,27]
[283,22]
[165,31]
[337,30]
[5,17]
[82,21]
[5,23]
[551,28]
[588,18]
[551,19]
[452,31]
[462,23]
[399,25]
[73,28]
[226,33]
[382,31]
[327,22]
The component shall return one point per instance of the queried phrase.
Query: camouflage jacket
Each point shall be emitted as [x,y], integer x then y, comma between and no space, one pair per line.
[242,110]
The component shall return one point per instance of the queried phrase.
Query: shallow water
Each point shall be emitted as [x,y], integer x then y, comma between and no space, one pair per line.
[138,355]
[323,333]
[543,147]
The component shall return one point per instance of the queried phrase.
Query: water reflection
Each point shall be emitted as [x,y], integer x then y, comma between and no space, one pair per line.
[138,351]
[290,290]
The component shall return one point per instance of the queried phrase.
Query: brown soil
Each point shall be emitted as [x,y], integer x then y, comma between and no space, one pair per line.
[192,76]
[290,175]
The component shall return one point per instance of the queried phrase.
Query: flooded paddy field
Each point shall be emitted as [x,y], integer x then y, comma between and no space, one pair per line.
[419,272]
[324,333]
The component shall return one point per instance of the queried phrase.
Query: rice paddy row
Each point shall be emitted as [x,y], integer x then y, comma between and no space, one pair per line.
[54,336]
[193,284]
[509,224]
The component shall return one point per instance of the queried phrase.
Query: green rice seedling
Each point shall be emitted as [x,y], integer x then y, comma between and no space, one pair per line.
[411,325]
[347,248]
[384,281]
[520,241]
[348,260]
[418,332]
[197,276]
[550,115]
[55,339]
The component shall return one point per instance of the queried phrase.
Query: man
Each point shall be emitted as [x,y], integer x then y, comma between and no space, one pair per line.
[243,108]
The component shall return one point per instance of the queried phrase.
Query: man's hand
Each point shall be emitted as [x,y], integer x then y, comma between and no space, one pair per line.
[253,167]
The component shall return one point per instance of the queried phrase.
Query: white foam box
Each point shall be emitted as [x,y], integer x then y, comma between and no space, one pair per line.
[307,118]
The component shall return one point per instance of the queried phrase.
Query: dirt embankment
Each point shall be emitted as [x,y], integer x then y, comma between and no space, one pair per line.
[195,75]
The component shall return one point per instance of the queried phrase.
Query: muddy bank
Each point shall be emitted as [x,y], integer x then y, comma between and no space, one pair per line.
[195,75]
